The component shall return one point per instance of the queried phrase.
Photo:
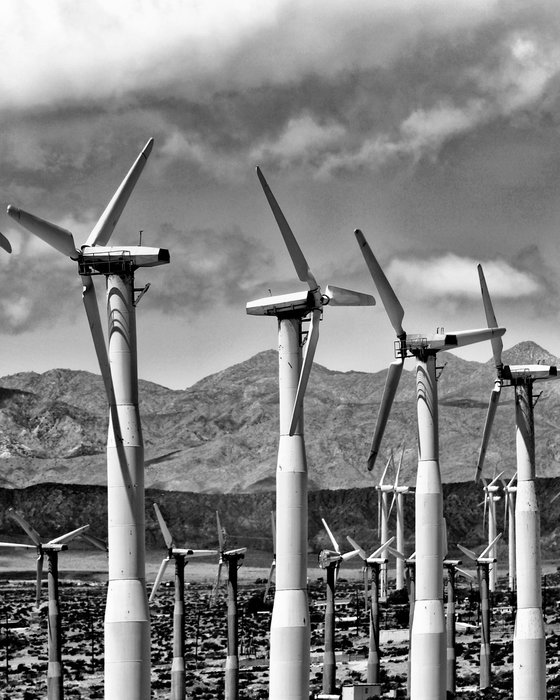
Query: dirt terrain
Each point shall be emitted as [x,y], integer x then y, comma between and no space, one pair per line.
[82,593]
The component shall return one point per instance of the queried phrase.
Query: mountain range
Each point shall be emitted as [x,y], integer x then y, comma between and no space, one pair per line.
[221,434]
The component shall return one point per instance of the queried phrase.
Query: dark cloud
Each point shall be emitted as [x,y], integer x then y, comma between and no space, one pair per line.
[209,268]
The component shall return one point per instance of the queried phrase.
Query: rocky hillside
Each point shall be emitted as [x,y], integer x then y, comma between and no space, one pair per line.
[220,435]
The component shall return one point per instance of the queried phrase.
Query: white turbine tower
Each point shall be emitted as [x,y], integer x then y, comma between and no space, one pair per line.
[273,562]
[491,497]
[181,557]
[399,492]
[50,549]
[428,667]
[383,491]
[330,560]
[374,562]
[529,653]
[510,490]
[233,559]
[289,633]
[484,561]
[127,621]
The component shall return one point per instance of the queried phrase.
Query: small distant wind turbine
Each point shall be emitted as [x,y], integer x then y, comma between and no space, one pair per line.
[491,497]
[428,668]
[529,653]
[383,491]
[127,612]
[273,563]
[483,562]
[330,560]
[50,549]
[399,492]
[181,557]
[510,489]
[289,631]
[374,562]
[233,559]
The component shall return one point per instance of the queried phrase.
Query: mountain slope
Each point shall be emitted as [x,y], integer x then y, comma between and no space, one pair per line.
[221,434]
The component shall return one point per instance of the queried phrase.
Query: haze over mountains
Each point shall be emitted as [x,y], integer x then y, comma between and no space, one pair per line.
[221,434]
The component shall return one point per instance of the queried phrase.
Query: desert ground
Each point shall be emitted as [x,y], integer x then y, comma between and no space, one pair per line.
[23,631]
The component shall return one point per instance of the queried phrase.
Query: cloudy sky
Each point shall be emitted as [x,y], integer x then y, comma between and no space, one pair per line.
[432,126]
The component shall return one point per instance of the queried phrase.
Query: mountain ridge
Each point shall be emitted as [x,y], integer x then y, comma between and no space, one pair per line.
[221,434]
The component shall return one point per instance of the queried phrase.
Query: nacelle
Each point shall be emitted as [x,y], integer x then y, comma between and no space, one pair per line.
[106,259]
[298,303]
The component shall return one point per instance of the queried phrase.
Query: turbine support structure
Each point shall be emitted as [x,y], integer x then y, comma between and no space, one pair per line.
[289,629]
[127,619]
[529,652]
[428,652]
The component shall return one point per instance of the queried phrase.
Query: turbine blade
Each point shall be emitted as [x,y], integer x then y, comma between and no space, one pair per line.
[273,524]
[159,578]
[350,555]
[269,579]
[39,578]
[470,554]
[91,307]
[110,217]
[22,522]
[381,549]
[396,553]
[95,541]
[220,533]
[15,545]
[391,384]
[357,547]
[490,545]
[168,539]
[399,469]
[497,345]
[331,536]
[69,536]
[307,364]
[393,500]
[379,511]
[384,474]
[490,414]
[390,301]
[338,296]
[298,259]
[218,579]
[58,238]
[5,243]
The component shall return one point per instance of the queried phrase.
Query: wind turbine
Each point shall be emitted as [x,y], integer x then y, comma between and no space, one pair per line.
[181,557]
[399,493]
[127,622]
[529,652]
[233,559]
[428,668]
[289,632]
[452,568]
[273,563]
[374,562]
[50,549]
[490,499]
[330,560]
[483,562]
[383,491]
[510,489]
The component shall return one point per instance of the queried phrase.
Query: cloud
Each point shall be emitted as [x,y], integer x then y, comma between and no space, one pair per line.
[450,275]
[209,268]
